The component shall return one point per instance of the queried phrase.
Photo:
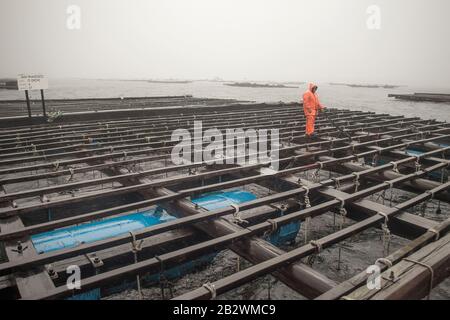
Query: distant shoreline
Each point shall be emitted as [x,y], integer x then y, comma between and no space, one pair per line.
[146,80]
[258,85]
[384,86]
[169,81]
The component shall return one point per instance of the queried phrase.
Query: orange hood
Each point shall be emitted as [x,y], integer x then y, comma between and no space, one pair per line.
[311,86]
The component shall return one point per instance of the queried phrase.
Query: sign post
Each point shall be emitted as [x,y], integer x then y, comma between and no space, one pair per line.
[26,82]
[28,103]
[43,103]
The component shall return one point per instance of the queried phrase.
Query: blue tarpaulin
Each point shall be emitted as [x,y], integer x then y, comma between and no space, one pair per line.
[218,200]
[94,231]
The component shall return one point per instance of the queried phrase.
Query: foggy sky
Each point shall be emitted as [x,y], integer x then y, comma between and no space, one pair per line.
[280,40]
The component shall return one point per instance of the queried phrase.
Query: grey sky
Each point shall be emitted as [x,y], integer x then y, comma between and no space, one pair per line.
[233,39]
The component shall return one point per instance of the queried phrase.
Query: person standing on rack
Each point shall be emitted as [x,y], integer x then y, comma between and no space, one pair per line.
[311,107]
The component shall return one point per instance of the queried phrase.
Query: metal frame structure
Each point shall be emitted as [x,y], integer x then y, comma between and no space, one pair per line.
[54,175]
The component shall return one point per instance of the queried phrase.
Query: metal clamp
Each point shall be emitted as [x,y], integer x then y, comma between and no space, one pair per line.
[306,197]
[430,192]
[386,232]
[386,217]
[357,183]
[342,201]
[417,163]
[211,288]
[316,176]
[342,211]
[236,214]
[317,245]
[385,261]
[390,184]
[436,232]
[20,248]
[273,224]
[236,209]
[51,271]
[136,246]
[71,171]
[95,261]
[320,165]
[281,207]
[337,183]
[394,166]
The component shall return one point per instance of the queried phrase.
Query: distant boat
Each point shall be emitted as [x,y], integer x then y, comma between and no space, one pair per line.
[169,81]
[10,84]
[217,79]
[429,97]
[257,85]
[294,82]
[385,86]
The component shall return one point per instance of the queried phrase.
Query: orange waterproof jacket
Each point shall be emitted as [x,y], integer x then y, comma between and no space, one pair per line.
[311,102]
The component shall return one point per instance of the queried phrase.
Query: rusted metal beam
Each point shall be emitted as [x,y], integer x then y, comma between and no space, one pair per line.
[410,278]
[417,185]
[360,279]
[418,281]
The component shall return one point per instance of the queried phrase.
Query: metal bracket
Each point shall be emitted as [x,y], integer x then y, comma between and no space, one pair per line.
[392,277]
[95,261]
[20,248]
[279,206]
[51,271]
[44,198]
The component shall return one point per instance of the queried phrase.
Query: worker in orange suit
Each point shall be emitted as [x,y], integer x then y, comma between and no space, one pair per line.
[311,107]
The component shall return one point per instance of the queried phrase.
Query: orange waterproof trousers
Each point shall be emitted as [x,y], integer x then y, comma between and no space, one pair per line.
[310,124]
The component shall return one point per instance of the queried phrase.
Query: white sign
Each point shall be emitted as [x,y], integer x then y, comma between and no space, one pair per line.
[32,82]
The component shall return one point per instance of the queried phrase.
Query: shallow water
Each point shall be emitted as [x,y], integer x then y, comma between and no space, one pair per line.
[366,99]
